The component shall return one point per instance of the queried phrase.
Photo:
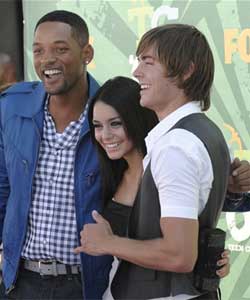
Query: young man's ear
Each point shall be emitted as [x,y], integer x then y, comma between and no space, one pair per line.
[88,54]
[189,72]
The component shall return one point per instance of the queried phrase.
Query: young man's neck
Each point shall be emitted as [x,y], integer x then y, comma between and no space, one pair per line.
[163,112]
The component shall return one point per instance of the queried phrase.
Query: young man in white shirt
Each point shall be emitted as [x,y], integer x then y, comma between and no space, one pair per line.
[185,172]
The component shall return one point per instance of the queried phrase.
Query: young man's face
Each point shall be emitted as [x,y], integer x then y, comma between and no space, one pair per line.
[58,57]
[158,92]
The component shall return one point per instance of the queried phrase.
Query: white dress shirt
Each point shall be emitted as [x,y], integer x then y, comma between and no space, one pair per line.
[181,169]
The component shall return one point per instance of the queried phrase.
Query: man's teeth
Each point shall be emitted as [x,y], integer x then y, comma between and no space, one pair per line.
[144,86]
[51,72]
[111,145]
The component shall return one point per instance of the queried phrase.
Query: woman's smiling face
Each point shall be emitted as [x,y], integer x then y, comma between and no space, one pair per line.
[110,132]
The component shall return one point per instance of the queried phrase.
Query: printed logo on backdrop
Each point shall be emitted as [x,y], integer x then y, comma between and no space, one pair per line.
[239,231]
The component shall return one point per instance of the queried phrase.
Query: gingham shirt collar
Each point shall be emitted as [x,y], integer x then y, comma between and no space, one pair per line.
[69,135]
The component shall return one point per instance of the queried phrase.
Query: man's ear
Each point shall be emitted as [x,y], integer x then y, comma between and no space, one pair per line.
[87,54]
[189,71]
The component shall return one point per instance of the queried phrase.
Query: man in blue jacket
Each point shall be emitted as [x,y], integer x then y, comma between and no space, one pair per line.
[49,175]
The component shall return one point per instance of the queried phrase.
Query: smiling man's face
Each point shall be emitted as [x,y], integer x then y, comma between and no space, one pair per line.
[58,57]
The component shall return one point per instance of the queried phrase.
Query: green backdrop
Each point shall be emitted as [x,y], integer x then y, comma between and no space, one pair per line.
[116,26]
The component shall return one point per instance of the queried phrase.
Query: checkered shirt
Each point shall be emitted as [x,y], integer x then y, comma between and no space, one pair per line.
[52,230]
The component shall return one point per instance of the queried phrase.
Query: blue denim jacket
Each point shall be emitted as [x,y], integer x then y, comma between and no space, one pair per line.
[21,124]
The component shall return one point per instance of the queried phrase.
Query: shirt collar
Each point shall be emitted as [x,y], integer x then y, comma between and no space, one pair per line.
[168,122]
[69,136]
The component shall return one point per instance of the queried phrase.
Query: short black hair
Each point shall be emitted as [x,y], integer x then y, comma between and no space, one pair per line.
[123,94]
[78,25]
